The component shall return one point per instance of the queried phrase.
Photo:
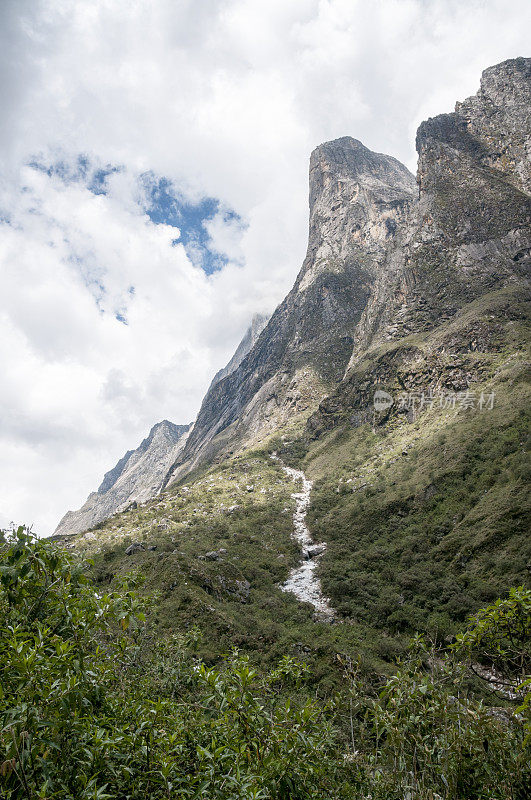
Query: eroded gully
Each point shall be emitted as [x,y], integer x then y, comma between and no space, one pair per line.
[303,581]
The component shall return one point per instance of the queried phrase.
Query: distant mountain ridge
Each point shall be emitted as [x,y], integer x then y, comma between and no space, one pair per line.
[390,257]
[258,323]
[139,474]
[136,478]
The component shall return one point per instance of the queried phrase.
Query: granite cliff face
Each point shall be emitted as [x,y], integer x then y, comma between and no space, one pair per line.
[406,285]
[137,477]
[467,237]
[358,201]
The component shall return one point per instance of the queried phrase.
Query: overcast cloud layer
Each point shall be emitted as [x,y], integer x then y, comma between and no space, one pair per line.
[110,320]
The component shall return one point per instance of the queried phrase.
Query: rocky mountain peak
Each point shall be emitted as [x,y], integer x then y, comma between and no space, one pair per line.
[258,323]
[468,236]
[136,478]
[490,130]
[389,257]
[167,430]
[347,159]
[357,200]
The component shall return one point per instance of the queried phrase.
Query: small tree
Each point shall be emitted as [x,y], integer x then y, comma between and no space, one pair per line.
[497,648]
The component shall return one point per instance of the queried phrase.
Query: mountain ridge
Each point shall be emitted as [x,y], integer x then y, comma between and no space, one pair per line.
[305,346]
[423,501]
[388,256]
[135,478]
[147,481]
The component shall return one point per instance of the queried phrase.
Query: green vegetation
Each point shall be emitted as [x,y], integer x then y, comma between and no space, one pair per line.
[94,704]
[426,519]
[420,538]
[243,507]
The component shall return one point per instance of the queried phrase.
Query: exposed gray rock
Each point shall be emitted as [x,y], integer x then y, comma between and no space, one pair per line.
[135,547]
[358,200]
[315,550]
[258,323]
[467,235]
[136,478]
[240,590]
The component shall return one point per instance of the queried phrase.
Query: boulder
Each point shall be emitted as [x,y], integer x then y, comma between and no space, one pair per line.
[134,548]
[315,550]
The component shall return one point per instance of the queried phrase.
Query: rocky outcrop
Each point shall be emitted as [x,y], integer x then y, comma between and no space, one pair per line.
[358,200]
[387,289]
[136,478]
[467,237]
[388,257]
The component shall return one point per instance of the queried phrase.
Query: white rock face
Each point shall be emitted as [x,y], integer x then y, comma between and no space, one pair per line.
[137,477]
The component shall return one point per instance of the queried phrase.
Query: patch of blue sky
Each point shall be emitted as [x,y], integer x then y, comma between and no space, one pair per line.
[77,171]
[165,205]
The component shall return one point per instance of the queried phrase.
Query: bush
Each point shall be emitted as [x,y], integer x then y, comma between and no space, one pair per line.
[92,706]
[424,737]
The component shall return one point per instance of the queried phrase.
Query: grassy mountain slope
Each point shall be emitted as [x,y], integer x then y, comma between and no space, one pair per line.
[235,600]
[425,521]
[423,503]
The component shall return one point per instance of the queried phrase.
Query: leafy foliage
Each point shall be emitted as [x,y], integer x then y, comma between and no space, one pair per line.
[424,737]
[93,707]
[499,638]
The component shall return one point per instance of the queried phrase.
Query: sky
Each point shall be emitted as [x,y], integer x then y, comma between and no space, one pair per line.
[153,194]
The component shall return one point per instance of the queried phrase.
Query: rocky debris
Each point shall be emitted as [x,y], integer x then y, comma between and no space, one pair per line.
[214,555]
[135,547]
[315,550]
[241,590]
[152,547]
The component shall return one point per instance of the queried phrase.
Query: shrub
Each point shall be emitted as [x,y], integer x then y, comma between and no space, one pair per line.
[92,706]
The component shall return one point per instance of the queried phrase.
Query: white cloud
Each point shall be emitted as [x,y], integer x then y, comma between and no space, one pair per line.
[225,98]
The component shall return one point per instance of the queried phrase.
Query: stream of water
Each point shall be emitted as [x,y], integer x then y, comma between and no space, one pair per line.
[303,581]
